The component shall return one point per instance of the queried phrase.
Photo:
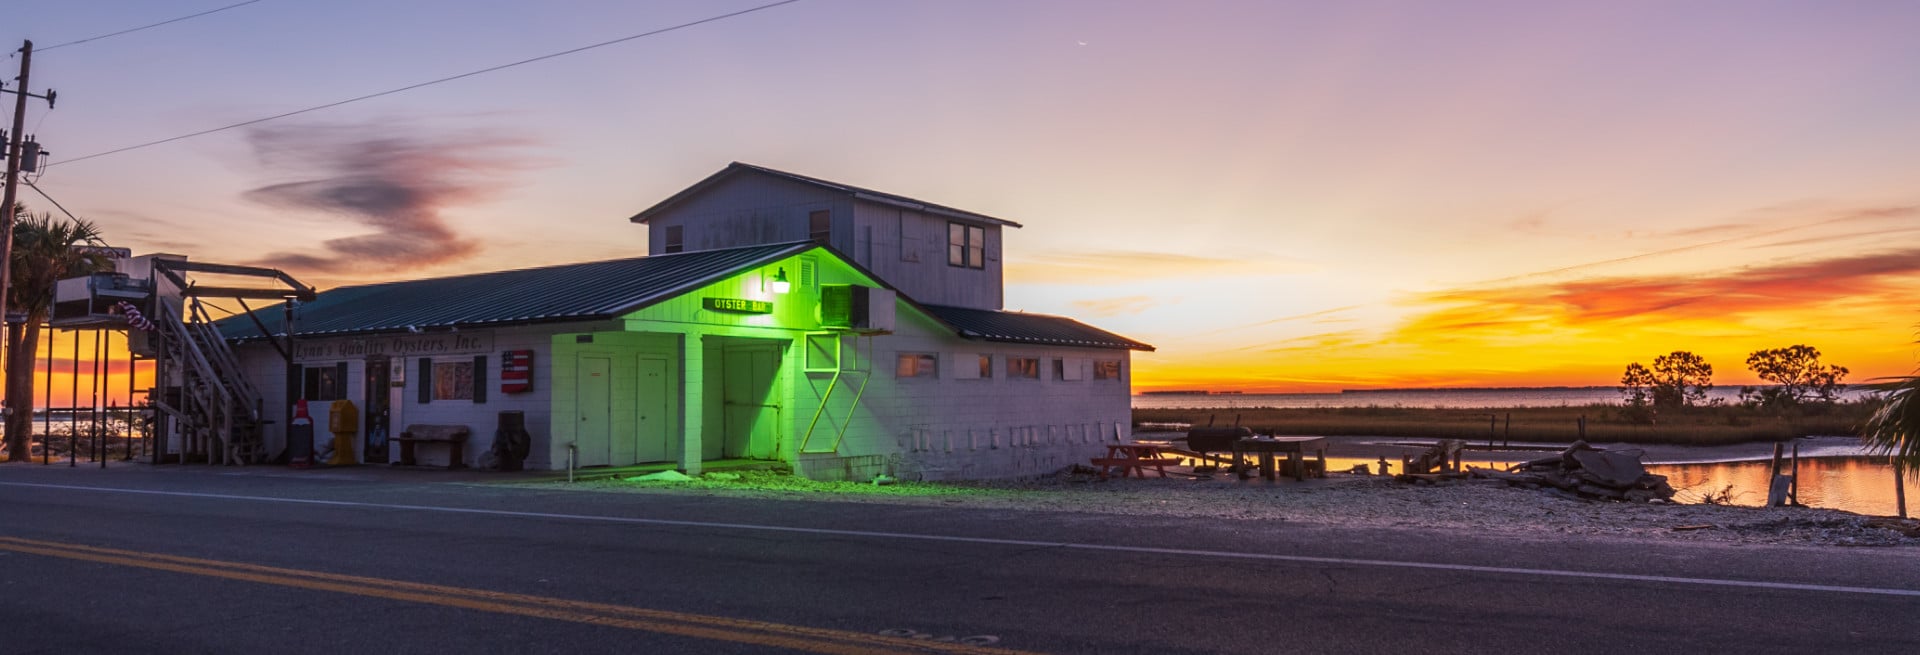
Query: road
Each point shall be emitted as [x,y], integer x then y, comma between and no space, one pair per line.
[190,560]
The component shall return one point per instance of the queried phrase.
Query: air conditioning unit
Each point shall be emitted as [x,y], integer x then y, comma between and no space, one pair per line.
[857,308]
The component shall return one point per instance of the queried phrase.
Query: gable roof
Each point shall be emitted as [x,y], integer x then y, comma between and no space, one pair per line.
[571,292]
[1021,327]
[881,197]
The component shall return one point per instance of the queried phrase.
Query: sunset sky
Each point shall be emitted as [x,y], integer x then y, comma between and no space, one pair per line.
[1279,196]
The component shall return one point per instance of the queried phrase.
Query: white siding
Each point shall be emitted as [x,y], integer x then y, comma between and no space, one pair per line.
[748,210]
[909,251]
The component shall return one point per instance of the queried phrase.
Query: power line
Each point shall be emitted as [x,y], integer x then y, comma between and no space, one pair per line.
[144,27]
[56,203]
[411,87]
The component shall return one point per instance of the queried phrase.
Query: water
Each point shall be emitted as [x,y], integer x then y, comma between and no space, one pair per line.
[1862,485]
[1436,398]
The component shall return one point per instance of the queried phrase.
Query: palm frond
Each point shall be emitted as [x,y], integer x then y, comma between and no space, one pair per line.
[1894,429]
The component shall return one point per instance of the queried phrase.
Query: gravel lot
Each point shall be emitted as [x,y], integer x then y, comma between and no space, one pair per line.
[1348,500]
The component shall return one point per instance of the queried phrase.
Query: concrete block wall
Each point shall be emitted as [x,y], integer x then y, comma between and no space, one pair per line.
[947,428]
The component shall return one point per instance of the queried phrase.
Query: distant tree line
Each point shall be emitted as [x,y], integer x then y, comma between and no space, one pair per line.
[1682,379]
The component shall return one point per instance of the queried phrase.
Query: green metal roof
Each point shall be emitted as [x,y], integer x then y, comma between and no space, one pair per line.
[572,292]
[1021,327]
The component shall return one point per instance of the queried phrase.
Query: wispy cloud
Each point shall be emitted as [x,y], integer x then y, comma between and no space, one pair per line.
[399,181]
[1132,265]
[1730,233]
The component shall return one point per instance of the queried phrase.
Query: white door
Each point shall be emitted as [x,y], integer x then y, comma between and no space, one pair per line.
[593,393]
[652,430]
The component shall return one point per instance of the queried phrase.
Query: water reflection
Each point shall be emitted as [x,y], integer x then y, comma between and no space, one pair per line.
[1856,484]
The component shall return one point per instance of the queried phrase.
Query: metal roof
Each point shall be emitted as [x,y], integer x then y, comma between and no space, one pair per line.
[572,292]
[857,192]
[1021,327]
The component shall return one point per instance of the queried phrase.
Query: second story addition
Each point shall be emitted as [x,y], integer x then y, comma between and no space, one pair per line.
[933,253]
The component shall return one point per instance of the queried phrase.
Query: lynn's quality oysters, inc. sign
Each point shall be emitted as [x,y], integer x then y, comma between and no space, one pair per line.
[399,345]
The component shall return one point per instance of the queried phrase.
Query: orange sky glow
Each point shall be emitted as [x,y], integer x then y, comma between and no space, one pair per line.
[1279,196]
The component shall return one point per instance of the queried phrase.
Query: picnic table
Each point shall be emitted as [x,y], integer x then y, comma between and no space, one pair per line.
[1295,447]
[1132,458]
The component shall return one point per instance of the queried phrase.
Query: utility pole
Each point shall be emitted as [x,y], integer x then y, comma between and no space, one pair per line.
[16,443]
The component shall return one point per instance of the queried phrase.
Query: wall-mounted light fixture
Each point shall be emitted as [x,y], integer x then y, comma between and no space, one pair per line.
[780,283]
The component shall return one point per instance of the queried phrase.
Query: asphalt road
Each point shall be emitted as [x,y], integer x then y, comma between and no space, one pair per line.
[208,560]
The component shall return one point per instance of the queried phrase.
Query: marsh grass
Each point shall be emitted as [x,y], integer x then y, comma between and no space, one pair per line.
[1697,426]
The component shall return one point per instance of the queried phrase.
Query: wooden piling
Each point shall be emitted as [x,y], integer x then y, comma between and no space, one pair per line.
[1506,436]
[1583,427]
[1793,492]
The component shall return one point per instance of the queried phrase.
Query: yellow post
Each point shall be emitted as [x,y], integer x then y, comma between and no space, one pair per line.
[343,420]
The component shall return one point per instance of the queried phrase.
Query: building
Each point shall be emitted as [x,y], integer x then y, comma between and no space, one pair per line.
[846,332]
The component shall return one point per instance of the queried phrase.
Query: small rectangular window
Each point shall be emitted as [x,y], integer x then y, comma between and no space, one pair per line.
[674,239]
[453,380]
[915,365]
[966,246]
[956,244]
[1106,369]
[324,383]
[986,366]
[820,226]
[1059,369]
[1023,368]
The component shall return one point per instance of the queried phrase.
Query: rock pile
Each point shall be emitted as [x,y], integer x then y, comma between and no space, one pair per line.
[1588,472]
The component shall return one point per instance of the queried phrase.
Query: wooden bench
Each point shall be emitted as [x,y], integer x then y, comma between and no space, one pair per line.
[1130,466]
[455,436]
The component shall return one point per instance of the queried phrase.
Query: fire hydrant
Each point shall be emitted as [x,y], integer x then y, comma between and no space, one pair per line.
[343,420]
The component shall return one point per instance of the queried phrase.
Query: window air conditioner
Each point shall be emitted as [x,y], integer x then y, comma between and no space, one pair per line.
[857,308]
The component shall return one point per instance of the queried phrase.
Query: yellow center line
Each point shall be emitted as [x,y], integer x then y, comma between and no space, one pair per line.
[780,635]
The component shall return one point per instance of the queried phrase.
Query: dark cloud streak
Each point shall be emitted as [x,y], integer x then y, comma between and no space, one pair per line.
[398,181]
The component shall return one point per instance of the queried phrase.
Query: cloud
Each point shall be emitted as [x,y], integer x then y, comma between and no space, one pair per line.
[1744,233]
[1105,307]
[399,181]
[1783,286]
[1114,265]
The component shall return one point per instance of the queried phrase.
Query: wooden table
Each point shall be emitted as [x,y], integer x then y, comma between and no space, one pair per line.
[1295,447]
[1131,458]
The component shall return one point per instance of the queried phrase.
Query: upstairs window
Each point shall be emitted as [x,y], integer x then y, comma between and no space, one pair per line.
[674,241]
[820,226]
[966,245]
[1106,369]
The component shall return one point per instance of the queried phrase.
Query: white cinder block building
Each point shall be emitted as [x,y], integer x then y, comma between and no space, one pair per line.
[846,332]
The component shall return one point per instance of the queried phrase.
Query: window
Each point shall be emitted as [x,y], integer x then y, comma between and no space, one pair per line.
[674,241]
[966,246]
[915,365]
[971,366]
[1069,368]
[1106,369]
[453,380]
[324,383]
[1023,368]
[820,226]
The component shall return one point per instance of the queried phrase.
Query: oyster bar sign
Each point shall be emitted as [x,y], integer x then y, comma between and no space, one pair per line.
[399,345]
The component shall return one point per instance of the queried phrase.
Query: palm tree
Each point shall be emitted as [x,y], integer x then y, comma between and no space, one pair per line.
[45,251]
[1894,429]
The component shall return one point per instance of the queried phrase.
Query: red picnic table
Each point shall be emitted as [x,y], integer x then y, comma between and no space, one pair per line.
[1132,458]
